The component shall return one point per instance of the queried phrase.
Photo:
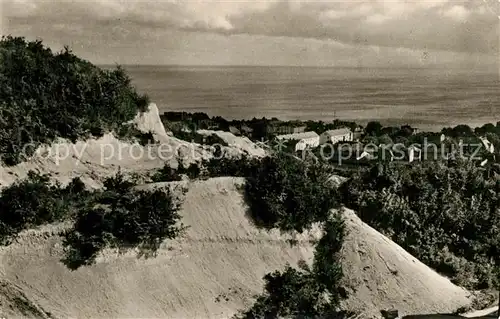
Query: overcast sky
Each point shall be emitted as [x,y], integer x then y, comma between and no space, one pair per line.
[265,32]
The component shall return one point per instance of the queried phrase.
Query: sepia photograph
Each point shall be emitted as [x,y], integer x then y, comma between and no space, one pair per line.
[250,159]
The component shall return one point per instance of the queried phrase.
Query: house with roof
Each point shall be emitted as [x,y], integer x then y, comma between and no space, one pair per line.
[335,136]
[304,140]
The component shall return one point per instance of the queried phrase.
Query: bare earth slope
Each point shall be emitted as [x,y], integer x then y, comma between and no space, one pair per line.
[95,159]
[210,273]
[382,275]
[216,268]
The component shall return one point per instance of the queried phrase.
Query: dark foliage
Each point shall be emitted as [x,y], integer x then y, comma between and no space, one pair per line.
[445,214]
[167,174]
[287,193]
[242,166]
[122,218]
[35,201]
[307,292]
[193,171]
[45,95]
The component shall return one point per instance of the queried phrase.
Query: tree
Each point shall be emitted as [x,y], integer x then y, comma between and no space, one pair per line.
[286,193]
[306,292]
[45,95]
[373,128]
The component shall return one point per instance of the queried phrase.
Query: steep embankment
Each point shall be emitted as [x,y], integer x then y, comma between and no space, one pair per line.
[211,272]
[95,159]
[236,145]
[216,268]
[381,275]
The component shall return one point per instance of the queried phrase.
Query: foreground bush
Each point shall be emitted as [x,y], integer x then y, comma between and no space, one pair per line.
[45,95]
[35,201]
[122,218]
[287,193]
[446,215]
[307,292]
[242,166]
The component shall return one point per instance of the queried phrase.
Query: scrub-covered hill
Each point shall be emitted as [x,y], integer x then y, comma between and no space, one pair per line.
[216,267]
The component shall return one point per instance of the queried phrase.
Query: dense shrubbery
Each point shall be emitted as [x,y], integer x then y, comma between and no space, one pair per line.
[35,201]
[290,194]
[166,174]
[117,216]
[307,292]
[45,95]
[242,166]
[121,218]
[446,215]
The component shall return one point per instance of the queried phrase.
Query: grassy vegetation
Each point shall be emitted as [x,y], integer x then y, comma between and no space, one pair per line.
[445,214]
[45,95]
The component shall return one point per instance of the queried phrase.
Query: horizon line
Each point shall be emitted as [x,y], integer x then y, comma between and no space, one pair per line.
[296,66]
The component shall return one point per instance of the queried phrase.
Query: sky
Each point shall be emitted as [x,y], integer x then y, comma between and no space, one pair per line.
[375,33]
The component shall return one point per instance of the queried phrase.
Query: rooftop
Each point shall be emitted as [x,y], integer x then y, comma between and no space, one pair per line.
[297,136]
[339,131]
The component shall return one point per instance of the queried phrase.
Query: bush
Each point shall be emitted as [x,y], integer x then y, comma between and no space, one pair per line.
[446,215]
[123,218]
[45,95]
[242,166]
[34,201]
[305,292]
[284,192]
[166,174]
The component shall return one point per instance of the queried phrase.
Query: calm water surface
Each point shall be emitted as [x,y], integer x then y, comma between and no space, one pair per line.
[427,98]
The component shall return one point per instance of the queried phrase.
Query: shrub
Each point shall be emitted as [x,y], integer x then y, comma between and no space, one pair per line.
[123,218]
[305,292]
[242,166]
[166,174]
[45,95]
[193,171]
[284,192]
[34,201]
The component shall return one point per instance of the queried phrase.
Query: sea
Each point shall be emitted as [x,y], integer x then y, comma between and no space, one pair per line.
[427,98]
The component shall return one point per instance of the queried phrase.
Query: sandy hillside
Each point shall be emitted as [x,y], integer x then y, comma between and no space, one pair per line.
[94,159]
[381,275]
[213,271]
[236,144]
[215,268]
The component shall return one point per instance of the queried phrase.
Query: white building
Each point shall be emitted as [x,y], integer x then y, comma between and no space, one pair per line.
[414,153]
[335,136]
[304,140]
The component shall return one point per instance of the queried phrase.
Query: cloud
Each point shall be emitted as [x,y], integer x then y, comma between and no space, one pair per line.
[456,12]
[457,26]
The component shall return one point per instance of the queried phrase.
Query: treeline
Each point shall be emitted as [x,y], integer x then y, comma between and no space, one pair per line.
[184,123]
[45,95]
[446,214]
[376,133]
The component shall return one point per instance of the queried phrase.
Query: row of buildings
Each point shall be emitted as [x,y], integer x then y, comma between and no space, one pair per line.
[312,139]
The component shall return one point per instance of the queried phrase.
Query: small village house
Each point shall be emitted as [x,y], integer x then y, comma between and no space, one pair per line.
[304,140]
[414,153]
[335,136]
